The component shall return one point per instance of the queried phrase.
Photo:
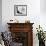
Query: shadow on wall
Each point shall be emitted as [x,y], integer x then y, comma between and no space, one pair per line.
[0,15]
[43,6]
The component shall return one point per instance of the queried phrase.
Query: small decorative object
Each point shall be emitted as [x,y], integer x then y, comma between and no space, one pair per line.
[41,36]
[27,21]
[14,21]
[20,10]
[11,20]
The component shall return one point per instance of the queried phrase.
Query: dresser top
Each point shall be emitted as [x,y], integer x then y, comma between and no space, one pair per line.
[19,23]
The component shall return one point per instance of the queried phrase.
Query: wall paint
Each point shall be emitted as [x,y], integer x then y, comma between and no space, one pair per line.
[43,6]
[43,14]
[0,15]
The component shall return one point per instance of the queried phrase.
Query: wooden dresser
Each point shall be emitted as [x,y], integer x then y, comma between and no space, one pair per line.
[22,33]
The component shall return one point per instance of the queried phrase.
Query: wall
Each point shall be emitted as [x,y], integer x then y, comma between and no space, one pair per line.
[43,6]
[33,10]
[0,15]
[43,14]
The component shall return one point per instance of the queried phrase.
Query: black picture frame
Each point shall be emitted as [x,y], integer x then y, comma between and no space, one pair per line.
[20,10]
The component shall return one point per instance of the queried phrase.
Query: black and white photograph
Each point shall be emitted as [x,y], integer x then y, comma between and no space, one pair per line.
[20,10]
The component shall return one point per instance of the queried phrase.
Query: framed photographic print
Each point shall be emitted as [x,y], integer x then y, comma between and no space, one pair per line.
[20,10]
